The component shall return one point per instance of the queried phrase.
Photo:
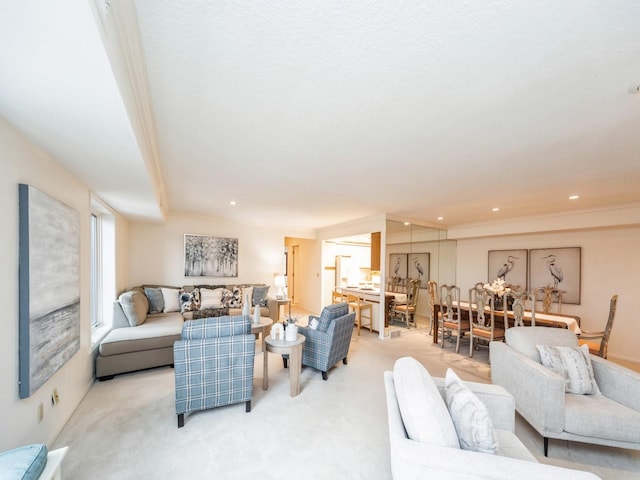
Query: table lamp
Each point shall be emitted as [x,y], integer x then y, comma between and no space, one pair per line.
[281,283]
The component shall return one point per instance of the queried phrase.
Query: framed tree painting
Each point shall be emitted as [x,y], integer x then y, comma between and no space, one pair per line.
[557,268]
[419,268]
[206,256]
[509,265]
[398,265]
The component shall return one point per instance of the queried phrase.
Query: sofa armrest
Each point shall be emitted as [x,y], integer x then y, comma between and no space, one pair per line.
[539,393]
[274,309]
[617,382]
[500,403]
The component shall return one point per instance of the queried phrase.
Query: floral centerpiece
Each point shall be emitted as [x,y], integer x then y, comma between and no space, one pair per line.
[499,289]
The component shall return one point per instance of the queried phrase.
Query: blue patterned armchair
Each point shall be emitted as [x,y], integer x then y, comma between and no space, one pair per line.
[329,344]
[214,364]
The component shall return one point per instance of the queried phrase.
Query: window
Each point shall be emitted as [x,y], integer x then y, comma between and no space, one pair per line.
[103,269]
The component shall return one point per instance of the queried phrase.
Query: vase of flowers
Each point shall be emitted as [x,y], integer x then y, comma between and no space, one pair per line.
[498,289]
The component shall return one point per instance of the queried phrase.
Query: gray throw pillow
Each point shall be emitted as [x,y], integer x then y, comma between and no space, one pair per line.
[135,307]
[156,302]
[574,365]
[470,416]
[260,296]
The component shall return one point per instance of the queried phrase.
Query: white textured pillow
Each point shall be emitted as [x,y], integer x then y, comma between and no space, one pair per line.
[171,298]
[573,364]
[424,414]
[211,298]
[470,416]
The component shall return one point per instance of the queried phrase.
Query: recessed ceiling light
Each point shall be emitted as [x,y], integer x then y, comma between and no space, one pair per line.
[406,224]
[440,218]
[232,202]
[574,197]
[495,209]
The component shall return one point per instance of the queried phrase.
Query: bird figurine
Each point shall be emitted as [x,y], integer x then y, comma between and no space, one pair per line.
[507,267]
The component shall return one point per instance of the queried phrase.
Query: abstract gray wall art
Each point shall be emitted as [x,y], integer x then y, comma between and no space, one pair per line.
[206,256]
[49,287]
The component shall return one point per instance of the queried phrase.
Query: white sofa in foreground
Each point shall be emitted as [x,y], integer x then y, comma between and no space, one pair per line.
[411,459]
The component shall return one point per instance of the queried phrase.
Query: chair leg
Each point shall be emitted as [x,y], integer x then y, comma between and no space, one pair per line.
[324,375]
[285,361]
[546,445]
[344,360]
[180,420]
[247,406]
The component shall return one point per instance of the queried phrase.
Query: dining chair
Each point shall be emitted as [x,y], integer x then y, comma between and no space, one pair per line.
[362,309]
[432,291]
[450,321]
[481,306]
[591,338]
[519,306]
[407,310]
[545,297]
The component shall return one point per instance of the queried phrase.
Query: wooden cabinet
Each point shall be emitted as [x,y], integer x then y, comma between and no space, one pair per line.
[375,251]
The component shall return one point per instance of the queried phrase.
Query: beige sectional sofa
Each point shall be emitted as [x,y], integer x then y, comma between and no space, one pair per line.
[142,336]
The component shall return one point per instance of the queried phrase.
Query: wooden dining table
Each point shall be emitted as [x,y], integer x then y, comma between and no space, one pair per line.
[557,320]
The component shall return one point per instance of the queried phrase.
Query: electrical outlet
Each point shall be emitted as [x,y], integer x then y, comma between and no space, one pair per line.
[55,398]
[40,412]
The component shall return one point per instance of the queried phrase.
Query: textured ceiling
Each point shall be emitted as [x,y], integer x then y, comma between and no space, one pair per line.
[314,113]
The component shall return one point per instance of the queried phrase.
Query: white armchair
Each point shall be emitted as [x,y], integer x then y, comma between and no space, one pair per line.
[610,418]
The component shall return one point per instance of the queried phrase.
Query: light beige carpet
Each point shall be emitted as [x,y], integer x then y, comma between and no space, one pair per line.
[335,429]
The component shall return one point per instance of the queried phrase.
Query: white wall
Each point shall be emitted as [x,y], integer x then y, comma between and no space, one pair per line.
[156,251]
[610,265]
[23,162]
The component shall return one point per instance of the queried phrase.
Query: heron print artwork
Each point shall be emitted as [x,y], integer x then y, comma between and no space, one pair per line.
[508,265]
[419,267]
[557,268]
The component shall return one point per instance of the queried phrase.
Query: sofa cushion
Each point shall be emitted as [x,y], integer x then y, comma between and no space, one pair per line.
[597,416]
[573,364]
[233,298]
[260,295]
[525,339]
[156,303]
[209,313]
[171,299]
[135,306]
[23,463]
[211,298]
[470,416]
[159,331]
[423,412]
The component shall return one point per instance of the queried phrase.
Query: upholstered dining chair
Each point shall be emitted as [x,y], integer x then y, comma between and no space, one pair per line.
[599,341]
[482,318]
[213,364]
[519,306]
[450,321]
[406,312]
[545,297]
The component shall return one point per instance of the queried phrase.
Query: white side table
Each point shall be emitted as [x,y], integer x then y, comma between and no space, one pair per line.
[283,301]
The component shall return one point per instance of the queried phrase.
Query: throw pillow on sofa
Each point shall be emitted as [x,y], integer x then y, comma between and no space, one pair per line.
[135,306]
[573,364]
[470,416]
[211,298]
[156,303]
[423,411]
[189,301]
[171,299]
[259,298]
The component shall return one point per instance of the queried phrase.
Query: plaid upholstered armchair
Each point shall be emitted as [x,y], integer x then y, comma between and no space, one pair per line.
[214,364]
[329,343]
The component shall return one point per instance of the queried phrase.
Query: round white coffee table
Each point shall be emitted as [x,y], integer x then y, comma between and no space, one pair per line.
[294,350]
